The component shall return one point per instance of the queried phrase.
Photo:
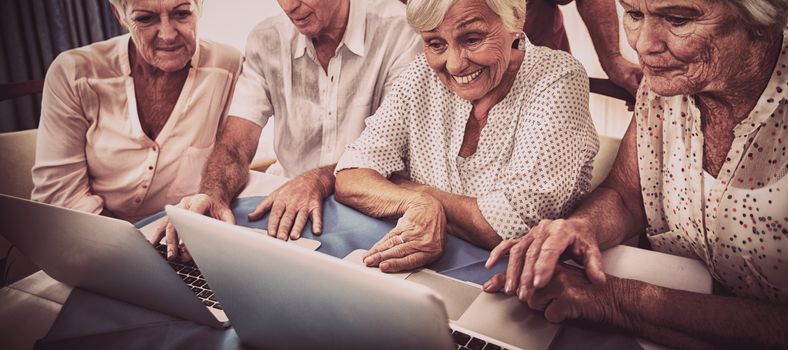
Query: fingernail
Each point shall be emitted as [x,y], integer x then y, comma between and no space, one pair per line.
[537,282]
[486,285]
[170,253]
[508,286]
[521,292]
[366,261]
[384,266]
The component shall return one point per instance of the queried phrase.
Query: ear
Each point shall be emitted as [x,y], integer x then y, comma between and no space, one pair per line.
[120,19]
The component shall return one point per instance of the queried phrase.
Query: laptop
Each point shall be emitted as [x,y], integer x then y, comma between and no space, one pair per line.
[110,257]
[281,297]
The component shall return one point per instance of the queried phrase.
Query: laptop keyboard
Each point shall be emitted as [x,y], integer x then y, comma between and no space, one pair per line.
[465,342]
[193,278]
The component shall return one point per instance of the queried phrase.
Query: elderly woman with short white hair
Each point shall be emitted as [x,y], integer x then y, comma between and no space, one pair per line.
[483,136]
[702,171]
[128,123]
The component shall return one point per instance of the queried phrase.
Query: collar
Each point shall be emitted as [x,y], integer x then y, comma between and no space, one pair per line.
[354,35]
[123,53]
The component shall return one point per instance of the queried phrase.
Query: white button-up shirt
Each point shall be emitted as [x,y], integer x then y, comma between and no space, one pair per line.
[319,112]
[92,153]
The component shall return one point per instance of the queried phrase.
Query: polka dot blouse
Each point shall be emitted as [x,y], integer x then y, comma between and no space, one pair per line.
[736,223]
[534,156]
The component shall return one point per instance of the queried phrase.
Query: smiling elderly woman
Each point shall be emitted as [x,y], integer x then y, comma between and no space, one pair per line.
[127,123]
[482,136]
[702,171]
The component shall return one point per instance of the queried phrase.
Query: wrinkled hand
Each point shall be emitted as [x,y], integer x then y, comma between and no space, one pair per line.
[199,203]
[533,257]
[623,73]
[291,205]
[570,295]
[417,240]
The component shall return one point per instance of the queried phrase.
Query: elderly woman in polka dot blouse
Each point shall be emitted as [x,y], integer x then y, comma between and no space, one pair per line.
[702,170]
[483,136]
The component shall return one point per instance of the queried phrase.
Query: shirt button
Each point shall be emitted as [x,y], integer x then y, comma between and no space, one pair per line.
[150,168]
[144,186]
[137,200]
[154,149]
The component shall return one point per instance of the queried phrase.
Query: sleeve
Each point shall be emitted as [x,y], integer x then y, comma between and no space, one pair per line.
[60,173]
[252,99]
[383,144]
[555,142]
[235,69]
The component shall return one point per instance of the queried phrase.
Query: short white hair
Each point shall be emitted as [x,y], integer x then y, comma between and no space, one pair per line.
[120,5]
[763,13]
[425,15]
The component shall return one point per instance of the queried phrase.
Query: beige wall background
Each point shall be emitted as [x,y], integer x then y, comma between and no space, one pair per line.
[230,21]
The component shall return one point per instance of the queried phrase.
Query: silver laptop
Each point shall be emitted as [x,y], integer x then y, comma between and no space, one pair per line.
[106,256]
[280,297]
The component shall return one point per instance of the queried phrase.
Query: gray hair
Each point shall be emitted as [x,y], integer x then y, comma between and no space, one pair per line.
[120,5]
[424,15]
[772,14]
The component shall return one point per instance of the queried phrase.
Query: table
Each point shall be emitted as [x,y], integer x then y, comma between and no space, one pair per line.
[85,320]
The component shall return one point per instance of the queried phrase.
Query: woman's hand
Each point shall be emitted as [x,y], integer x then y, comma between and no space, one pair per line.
[417,240]
[533,258]
[570,295]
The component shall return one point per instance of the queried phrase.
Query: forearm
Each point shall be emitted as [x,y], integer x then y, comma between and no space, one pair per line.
[601,20]
[464,219]
[371,193]
[605,213]
[689,320]
[225,174]
[227,169]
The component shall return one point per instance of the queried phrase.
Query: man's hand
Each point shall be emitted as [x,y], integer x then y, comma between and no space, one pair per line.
[198,203]
[417,240]
[296,201]
[533,258]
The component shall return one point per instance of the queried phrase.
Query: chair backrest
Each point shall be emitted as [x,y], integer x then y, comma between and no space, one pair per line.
[608,148]
[17,157]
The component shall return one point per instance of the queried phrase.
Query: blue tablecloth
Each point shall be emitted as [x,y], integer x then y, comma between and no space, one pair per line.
[90,321]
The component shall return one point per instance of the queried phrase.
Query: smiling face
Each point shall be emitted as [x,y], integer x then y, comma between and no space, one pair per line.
[164,31]
[470,50]
[686,46]
[311,17]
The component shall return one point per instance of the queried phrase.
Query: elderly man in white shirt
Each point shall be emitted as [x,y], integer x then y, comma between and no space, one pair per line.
[320,69]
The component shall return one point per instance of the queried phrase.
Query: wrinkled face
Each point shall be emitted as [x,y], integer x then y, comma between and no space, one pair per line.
[470,50]
[686,46]
[311,17]
[164,31]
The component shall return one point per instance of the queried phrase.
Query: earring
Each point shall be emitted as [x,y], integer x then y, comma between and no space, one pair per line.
[519,42]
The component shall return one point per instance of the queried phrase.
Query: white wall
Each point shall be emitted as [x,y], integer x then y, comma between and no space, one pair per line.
[229,21]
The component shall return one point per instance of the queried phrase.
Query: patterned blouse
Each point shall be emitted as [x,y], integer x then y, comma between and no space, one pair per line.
[736,223]
[534,156]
